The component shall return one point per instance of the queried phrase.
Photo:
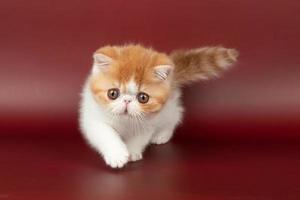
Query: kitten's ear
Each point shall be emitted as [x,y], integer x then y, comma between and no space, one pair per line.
[101,62]
[162,72]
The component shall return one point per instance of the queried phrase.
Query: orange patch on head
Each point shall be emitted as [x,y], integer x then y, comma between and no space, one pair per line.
[133,61]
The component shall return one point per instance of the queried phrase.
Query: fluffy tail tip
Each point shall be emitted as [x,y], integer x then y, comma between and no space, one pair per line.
[233,54]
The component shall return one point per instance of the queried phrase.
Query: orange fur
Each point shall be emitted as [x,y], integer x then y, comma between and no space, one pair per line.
[134,61]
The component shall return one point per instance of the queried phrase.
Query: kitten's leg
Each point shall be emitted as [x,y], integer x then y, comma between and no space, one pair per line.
[136,145]
[162,137]
[171,119]
[107,142]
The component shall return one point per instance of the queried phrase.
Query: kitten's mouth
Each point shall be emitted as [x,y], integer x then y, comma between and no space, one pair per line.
[125,112]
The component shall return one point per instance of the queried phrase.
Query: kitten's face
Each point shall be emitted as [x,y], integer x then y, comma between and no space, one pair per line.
[131,81]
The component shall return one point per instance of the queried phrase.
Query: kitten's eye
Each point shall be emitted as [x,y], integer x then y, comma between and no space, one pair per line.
[143,97]
[113,93]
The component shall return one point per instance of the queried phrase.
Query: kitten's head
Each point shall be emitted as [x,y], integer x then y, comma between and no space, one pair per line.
[131,80]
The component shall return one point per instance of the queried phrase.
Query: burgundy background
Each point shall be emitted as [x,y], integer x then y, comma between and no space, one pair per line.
[46,49]
[240,137]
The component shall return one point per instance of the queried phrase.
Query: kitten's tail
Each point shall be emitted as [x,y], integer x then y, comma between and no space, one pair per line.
[201,64]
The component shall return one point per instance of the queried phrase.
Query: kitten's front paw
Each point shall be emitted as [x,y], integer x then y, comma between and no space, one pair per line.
[161,138]
[136,156]
[117,159]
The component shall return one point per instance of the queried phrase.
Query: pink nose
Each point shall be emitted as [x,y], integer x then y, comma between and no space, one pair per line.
[127,101]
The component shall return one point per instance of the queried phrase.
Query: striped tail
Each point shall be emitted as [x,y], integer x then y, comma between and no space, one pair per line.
[201,64]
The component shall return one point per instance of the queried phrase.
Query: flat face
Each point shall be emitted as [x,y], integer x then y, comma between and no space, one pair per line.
[129,84]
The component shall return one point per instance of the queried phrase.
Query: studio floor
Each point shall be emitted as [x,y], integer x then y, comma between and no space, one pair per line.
[66,168]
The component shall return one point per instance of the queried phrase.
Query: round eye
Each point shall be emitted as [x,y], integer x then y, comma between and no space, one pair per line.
[143,97]
[113,93]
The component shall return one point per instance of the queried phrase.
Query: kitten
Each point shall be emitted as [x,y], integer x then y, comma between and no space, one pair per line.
[132,96]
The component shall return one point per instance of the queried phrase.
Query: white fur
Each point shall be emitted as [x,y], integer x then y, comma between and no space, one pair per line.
[132,88]
[122,138]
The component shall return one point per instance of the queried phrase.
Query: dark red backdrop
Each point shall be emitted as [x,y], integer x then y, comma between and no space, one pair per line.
[46,49]
[45,55]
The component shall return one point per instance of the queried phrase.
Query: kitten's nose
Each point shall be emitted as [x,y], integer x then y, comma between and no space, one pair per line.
[127,101]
